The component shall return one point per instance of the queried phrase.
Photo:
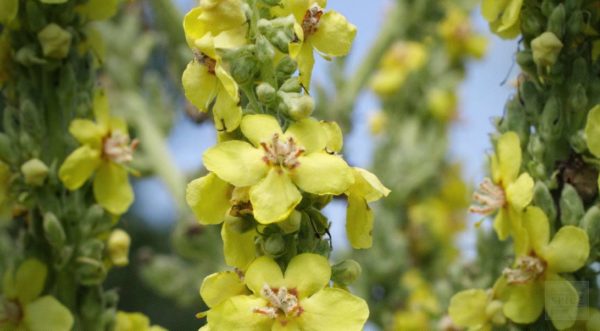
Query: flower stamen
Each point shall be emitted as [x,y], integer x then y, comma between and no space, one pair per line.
[310,23]
[280,302]
[118,148]
[205,60]
[282,153]
[527,268]
[489,198]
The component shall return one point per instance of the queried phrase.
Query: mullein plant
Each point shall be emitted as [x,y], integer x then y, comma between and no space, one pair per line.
[543,190]
[65,166]
[274,167]
[410,280]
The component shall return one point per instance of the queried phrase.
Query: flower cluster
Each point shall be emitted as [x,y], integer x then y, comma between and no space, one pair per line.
[274,167]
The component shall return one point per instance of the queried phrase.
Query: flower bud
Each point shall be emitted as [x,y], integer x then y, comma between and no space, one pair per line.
[543,199]
[578,99]
[532,23]
[55,41]
[591,224]
[27,56]
[118,247]
[243,65]
[291,85]
[36,18]
[525,61]
[551,121]
[279,31]
[578,142]
[536,169]
[35,172]
[531,98]
[285,68]
[300,106]
[345,272]
[264,50]
[266,93]
[53,230]
[546,49]
[274,245]
[94,220]
[556,21]
[292,223]
[571,206]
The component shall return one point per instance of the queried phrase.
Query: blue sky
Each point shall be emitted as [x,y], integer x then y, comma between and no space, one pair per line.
[482,97]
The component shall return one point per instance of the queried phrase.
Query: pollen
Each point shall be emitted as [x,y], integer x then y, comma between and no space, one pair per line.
[310,23]
[527,268]
[205,60]
[281,302]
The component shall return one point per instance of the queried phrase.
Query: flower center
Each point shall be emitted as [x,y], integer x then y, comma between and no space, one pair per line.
[310,23]
[12,311]
[118,148]
[527,268]
[284,153]
[205,60]
[489,198]
[281,302]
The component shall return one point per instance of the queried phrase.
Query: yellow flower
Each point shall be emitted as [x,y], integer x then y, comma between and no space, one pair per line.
[421,297]
[275,165]
[458,35]
[534,282]
[478,309]
[300,299]
[328,32]
[214,201]
[135,322]
[503,16]
[220,286]
[411,320]
[442,104]
[118,247]
[105,149]
[359,216]
[23,308]
[214,25]
[507,192]
[398,62]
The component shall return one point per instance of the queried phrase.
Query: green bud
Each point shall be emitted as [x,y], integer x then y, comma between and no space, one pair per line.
[531,98]
[536,169]
[547,7]
[551,122]
[27,56]
[556,21]
[279,31]
[575,23]
[243,65]
[266,93]
[35,172]
[274,245]
[300,106]
[546,49]
[55,41]
[571,206]
[578,99]
[264,50]
[291,85]
[543,199]
[532,22]
[345,272]
[591,224]
[292,223]
[94,221]
[63,257]
[578,142]
[90,271]
[515,120]
[525,61]
[36,19]
[285,68]
[53,231]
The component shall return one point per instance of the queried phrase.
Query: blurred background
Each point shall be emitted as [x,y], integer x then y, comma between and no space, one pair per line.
[158,283]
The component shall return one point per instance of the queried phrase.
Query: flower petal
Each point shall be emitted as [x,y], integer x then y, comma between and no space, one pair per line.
[568,250]
[308,273]
[236,162]
[30,280]
[199,85]
[592,131]
[208,197]
[260,128]
[228,84]
[367,185]
[359,222]
[524,303]
[538,228]
[101,109]
[226,112]
[238,248]
[274,198]
[221,286]
[508,151]
[333,309]
[467,308]
[112,189]
[335,138]
[520,192]
[79,166]
[8,11]
[321,173]
[561,301]
[511,14]
[237,313]
[193,27]
[306,61]
[297,8]
[334,36]
[47,313]
[263,270]
[502,224]
[309,134]
[491,9]
[86,132]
